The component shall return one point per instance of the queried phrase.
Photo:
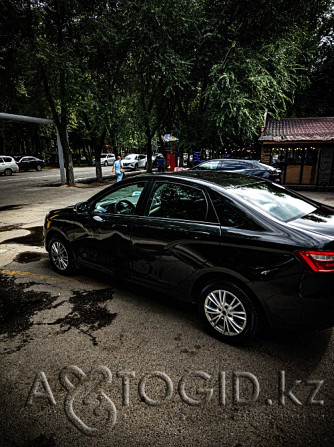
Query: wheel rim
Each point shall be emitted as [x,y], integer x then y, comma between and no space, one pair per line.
[8,172]
[225,312]
[59,255]
[39,168]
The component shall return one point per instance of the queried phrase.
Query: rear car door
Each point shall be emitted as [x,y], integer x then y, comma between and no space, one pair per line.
[177,236]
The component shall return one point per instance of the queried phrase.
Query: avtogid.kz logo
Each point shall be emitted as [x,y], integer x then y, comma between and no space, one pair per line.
[89,408]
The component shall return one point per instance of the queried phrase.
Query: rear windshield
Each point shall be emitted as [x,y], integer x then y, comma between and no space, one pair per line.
[275,200]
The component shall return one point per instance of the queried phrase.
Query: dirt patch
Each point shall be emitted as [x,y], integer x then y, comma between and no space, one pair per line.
[11,207]
[28,256]
[9,227]
[34,238]
[18,305]
[87,314]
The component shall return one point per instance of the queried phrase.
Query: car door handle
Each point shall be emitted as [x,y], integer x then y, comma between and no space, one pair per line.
[198,234]
[98,219]
[119,226]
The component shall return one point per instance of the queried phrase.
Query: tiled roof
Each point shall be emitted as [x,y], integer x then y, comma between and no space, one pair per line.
[298,129]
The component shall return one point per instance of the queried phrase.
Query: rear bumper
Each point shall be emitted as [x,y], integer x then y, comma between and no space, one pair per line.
[306,300]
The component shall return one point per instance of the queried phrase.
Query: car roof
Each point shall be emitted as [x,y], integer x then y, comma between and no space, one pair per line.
[230,160]
[218,178]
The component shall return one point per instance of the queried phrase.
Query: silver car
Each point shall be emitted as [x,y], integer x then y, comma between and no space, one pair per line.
[107,159]
[8,165]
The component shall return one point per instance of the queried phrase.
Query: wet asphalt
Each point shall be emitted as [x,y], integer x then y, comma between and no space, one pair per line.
[91,360]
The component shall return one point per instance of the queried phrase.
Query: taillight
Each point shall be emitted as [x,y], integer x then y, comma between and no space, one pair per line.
[318,261]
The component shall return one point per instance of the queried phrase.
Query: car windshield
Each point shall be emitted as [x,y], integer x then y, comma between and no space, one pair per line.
[130,157]
[275,200]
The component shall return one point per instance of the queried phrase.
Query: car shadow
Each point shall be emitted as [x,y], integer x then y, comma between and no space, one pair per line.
[301,350]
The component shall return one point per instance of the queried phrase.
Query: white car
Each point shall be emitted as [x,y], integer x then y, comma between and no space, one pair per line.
[134,161]
[8,165]
[107,159]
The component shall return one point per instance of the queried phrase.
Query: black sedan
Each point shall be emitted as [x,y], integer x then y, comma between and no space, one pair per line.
[246,250]
[246,167]
[28,162]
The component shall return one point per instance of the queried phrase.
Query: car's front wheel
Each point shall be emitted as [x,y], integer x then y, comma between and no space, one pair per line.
[105,163]
[228,312]
[61,256]
[38,168]
[8,171]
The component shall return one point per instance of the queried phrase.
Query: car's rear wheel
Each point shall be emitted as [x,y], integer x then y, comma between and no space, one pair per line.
[38,168]
[8,171]
[61,256]
[228,312]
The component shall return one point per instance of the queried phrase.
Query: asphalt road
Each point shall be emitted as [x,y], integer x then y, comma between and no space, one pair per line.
[93,361]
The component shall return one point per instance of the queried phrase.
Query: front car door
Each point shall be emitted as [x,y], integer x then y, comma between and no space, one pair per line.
[178,235]
[103,238]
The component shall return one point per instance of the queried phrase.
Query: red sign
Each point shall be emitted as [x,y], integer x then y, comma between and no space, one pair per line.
[170,160]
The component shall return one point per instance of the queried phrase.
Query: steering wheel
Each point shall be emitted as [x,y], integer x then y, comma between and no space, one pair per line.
[124,206]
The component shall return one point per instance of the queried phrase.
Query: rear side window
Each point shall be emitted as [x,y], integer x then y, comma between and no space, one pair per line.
[230,166]
[231,216]
[7,159]
[177,201]
[275,200]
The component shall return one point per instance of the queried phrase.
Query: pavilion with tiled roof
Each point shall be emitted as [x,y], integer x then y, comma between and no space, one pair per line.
[302,147]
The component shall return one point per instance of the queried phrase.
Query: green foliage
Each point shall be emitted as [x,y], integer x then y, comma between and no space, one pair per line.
[118,72]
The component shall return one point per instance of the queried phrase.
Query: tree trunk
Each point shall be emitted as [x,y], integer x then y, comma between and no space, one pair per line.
[98,167]
[61,126]
[67,154]
[149,149]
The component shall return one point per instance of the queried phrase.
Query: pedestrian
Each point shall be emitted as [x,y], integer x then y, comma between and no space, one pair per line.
[118,169]
[161,163]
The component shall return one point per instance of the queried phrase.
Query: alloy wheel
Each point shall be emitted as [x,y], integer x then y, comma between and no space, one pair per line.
[59,255]
[225,312]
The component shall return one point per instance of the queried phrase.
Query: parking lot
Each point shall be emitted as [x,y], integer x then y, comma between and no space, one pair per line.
[91,360]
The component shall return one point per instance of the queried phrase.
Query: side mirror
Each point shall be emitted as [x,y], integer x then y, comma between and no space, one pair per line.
[82,207]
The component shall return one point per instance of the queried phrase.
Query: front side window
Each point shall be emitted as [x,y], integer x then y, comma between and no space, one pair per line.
[177,201]
[122,201]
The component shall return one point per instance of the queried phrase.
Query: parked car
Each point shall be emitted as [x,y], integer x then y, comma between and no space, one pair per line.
[107,159]
[247,167]
[245,250]
[8,165]
[134,161]
[28,162]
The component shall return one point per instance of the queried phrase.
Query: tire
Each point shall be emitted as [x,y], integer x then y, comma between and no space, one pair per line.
[7,171]
[234,326]
[136,167]
[38,168]
[61,256]
[105,163]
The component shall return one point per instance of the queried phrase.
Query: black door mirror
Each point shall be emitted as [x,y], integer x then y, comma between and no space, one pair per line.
[82,207]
